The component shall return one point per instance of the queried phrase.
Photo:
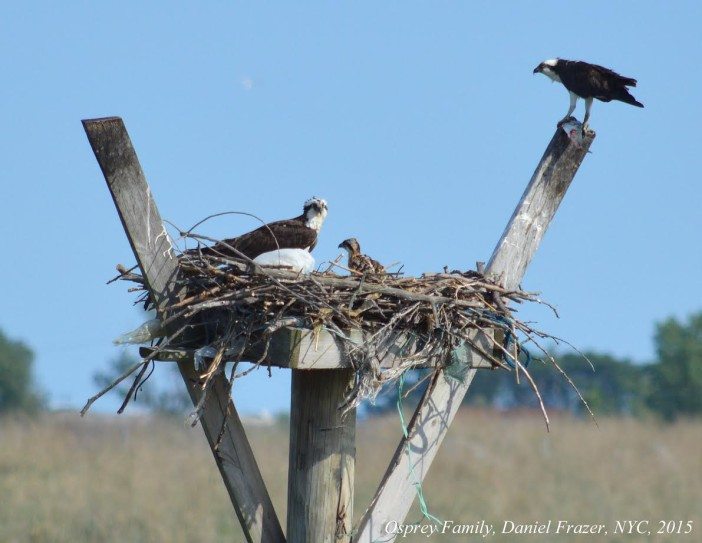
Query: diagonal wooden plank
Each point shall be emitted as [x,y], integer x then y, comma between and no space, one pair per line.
[443,397]
[152,248]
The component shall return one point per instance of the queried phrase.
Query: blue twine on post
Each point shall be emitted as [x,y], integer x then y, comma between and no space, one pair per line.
[417,482]
[510,338]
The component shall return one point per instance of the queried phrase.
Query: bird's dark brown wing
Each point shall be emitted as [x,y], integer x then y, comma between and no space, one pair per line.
[365,264]
[591,80]
[377,266]
[611,75]
[287,234]
[608,85]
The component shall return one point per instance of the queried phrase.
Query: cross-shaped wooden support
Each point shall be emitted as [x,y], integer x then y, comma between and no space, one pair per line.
[322,441]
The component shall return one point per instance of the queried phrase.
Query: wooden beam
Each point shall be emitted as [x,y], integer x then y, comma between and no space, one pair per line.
[322,457]
[443,397]
[152,249]
[302,349]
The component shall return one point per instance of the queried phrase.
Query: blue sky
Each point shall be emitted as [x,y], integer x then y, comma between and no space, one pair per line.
[420,123]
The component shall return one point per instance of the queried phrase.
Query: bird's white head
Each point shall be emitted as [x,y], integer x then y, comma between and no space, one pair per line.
[315,211]
[548,68]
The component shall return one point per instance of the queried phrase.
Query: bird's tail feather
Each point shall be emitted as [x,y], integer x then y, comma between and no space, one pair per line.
[625,97]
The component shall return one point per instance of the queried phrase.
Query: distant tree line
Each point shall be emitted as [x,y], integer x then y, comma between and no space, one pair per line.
[670,386]
[18,390]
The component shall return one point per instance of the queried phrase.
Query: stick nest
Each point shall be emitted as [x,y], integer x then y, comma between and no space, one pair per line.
[234,303]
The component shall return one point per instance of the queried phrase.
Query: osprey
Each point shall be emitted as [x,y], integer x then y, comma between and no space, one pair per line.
[588,81]
[359,262]
[298,233]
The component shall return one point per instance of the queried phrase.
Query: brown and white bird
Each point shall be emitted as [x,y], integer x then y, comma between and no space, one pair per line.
[588,81]
[359,262]
[298,233]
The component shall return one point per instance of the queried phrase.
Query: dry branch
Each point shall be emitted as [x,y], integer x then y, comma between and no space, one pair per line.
[235,302]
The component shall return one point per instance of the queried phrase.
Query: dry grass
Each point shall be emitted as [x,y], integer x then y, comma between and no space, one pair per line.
[145,480]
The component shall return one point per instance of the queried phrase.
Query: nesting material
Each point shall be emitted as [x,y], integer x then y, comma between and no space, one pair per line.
[236,302]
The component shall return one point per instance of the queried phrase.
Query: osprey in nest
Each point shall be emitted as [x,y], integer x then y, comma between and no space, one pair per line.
[588,81]
[297,233]
[359,262]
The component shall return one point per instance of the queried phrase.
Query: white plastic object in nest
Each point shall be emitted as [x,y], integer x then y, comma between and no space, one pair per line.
[300,260]
[206,352]
[145,333]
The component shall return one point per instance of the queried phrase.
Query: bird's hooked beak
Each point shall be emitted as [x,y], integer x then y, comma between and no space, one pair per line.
[537,70]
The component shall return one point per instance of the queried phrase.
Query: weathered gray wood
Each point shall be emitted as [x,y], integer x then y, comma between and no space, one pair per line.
[135,206]
[322,457]
[152,248]
[302,349]
[538,205]
[443,397]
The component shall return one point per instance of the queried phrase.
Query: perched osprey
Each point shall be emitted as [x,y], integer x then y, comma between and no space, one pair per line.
[588,81]
[359,262]
[298,233]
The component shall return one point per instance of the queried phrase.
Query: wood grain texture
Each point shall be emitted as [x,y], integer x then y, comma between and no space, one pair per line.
[443,397]
[322,457]
[152,248]
[136,208]
[536,209]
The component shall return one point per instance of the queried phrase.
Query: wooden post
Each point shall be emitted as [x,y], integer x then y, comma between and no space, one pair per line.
[322,457]
[322,448]
[444,395]
[152,248]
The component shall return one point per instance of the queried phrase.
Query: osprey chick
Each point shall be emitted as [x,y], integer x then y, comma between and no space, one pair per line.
[588,81]
[359,262]
[298,233]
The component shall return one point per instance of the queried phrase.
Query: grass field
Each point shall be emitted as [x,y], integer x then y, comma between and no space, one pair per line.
[66,479]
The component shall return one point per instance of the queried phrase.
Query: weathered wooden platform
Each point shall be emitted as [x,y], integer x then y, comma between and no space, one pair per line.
[305,349]
[322,440]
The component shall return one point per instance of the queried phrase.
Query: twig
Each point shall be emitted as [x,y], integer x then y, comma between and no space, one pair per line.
[109,387]
[435,312]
